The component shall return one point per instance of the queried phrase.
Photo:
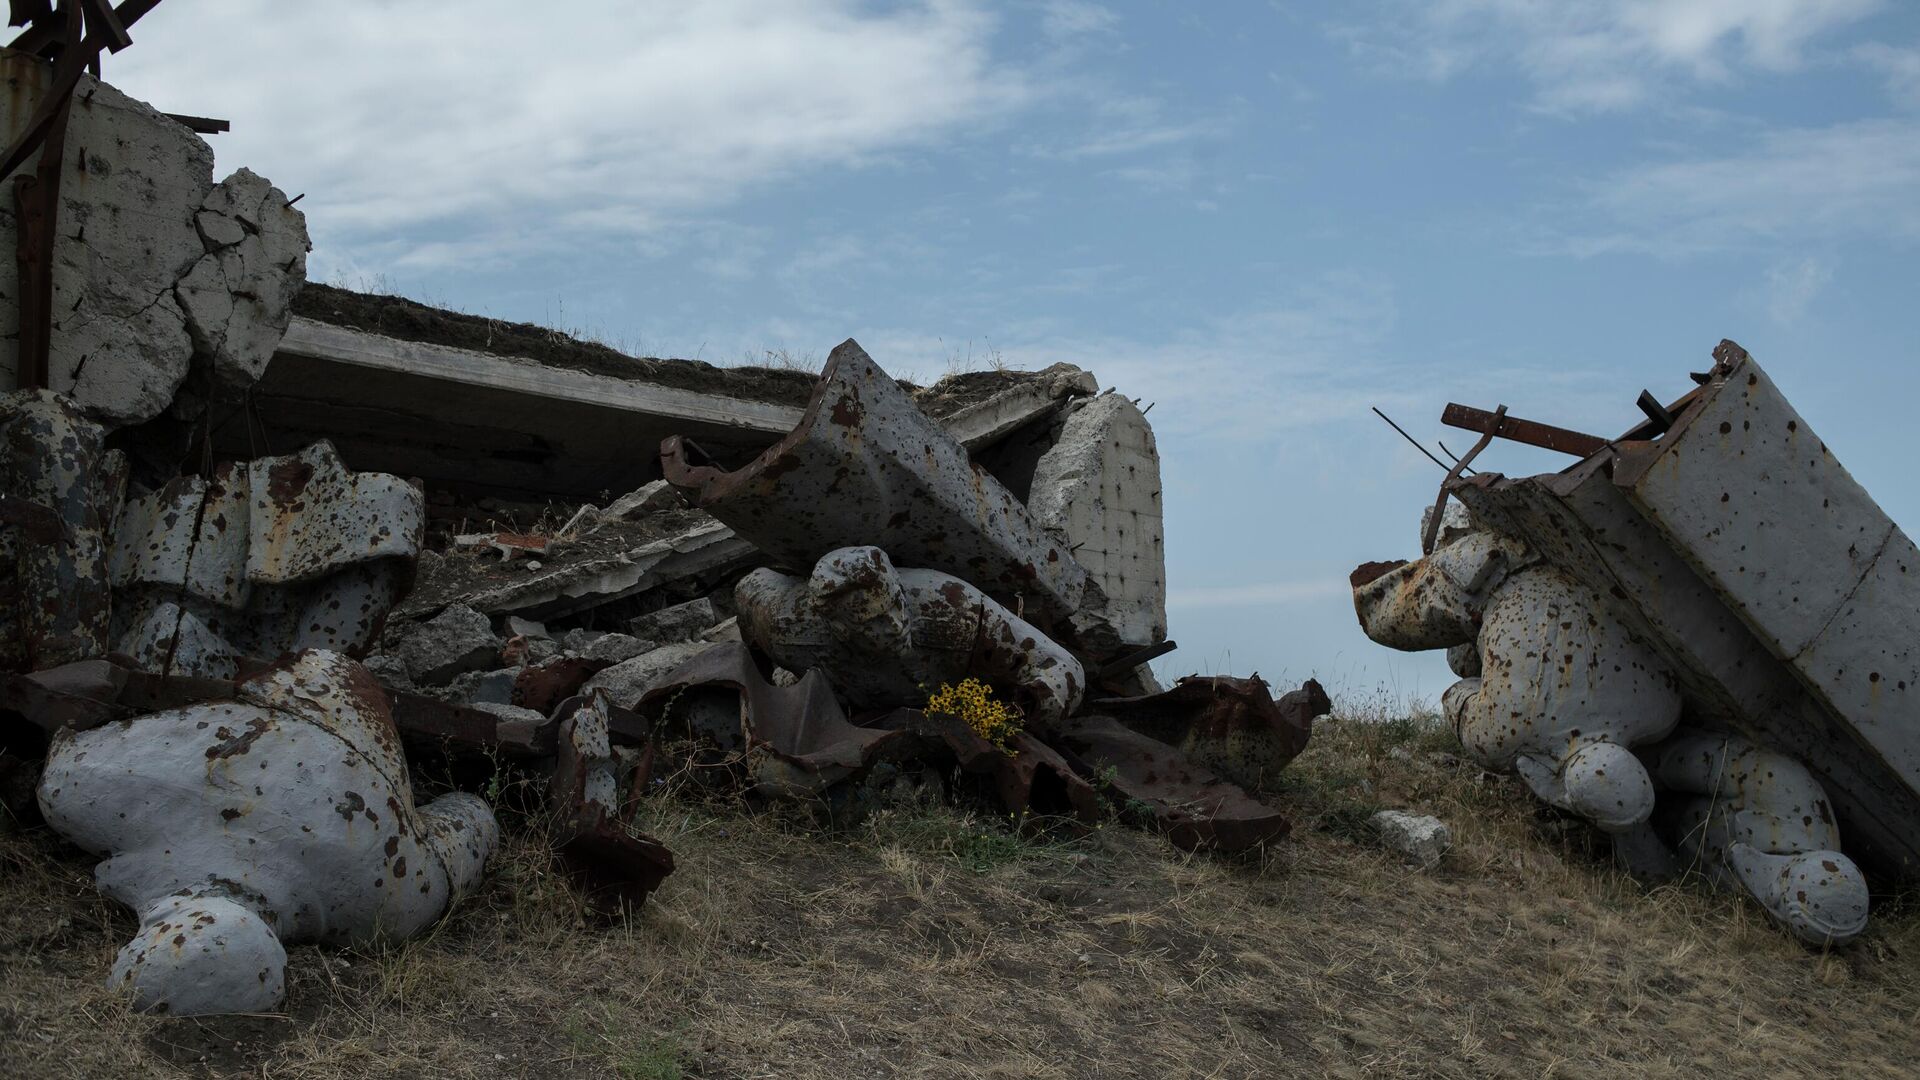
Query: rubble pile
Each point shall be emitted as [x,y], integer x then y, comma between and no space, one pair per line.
[837,591]
[1700,638]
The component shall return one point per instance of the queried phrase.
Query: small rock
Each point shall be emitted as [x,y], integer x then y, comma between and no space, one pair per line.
[681,622]
[456,640]
[577,640]
[723,631]
[516,724]
[1423,840]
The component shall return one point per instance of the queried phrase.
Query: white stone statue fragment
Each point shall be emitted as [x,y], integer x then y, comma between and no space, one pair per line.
[1757,822]
[235,827]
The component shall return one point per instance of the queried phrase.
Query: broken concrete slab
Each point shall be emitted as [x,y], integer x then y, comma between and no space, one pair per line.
[1099,487]
[888,637]
[680,622]
[864,466]
[650,498]
[627,682]
[238,827]
[156,268]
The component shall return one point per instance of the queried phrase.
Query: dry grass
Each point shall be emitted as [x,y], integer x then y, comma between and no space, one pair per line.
[932,944]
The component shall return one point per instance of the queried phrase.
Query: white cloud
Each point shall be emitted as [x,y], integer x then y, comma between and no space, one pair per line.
[1847,181]
[510,119]
[1899,67]
[1067,20]
[1601,55]
[1792,286]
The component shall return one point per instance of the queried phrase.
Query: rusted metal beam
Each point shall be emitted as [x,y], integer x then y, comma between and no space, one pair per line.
[37,38]
[1532,433]
[200,125]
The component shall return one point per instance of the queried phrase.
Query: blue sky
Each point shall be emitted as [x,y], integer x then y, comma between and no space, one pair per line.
[1263,218]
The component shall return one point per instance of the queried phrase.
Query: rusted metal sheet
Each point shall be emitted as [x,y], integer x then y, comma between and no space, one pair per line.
[865,466]
[1196,809]
[797,739]
[1230,726]
[886,636]
[1030,779]
[57,473]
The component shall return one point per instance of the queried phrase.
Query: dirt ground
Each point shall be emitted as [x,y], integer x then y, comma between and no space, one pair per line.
[927,942]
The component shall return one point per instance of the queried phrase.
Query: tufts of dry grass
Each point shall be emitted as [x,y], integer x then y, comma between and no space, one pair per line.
[927,942]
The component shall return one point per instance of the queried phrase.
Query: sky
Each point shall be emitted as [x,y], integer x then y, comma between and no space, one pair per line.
[1261,218]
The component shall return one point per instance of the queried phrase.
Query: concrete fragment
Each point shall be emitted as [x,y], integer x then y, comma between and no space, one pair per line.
[681,622]
[728,630]
[865,466]
[458,639]
[888,636]
[650,498]
[527,628]
[233,828]
[155,268]
[1421,839]
[627,682]
[1099,487]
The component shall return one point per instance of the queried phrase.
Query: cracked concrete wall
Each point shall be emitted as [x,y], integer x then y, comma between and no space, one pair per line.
[157,270]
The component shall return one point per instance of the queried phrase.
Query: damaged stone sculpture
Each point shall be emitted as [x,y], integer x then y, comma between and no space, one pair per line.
[1756,821]
[263,557]
[1554,690]
[233,828]
[883,635]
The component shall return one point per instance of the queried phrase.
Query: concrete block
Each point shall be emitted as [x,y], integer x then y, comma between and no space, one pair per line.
[650,498]
[627,682]
[155,267]
[1099,488]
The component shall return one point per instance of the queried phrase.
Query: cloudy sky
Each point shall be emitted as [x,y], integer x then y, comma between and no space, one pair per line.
[1261,217]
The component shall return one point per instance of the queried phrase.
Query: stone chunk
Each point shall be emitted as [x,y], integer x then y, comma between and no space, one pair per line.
[1423,840]
[458,639]
[615,648]
[681,622]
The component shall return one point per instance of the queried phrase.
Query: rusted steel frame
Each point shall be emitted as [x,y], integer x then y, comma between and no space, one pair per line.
[66,77]
[37,202]
[1545,436]
[40,37]
[866,467]
[1494,427]
[1137,657]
